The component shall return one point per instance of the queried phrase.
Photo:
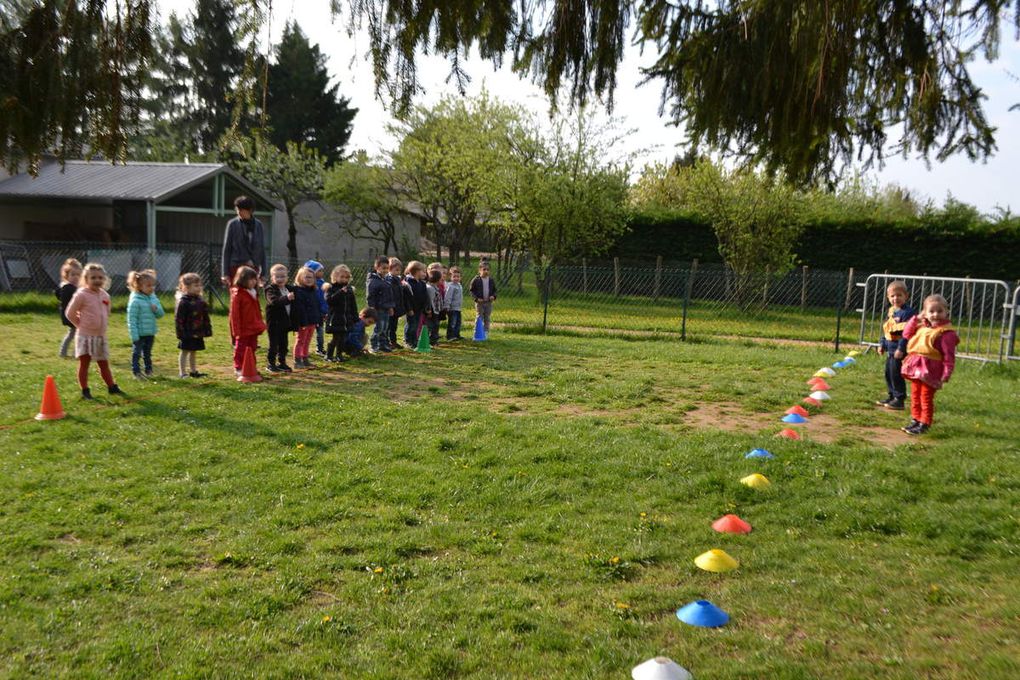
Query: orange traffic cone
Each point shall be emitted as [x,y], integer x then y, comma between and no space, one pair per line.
[50,409]
[249,374]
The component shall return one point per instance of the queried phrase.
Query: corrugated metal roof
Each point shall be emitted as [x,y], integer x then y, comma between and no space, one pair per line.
[100,180]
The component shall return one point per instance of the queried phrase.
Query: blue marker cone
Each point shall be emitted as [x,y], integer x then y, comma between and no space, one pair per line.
[794,418]
[839,364]
[760,453]
[703,614]
[479,330]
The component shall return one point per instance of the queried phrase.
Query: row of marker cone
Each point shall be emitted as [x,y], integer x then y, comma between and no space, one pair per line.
[702,612]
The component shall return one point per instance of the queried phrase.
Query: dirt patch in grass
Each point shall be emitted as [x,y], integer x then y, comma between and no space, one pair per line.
[820,427]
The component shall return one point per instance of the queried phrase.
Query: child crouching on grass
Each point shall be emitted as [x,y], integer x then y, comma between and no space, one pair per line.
[89,312]
[143,309]
[70,277]
[191,320]
[931,358]
[354,345]
[246,323]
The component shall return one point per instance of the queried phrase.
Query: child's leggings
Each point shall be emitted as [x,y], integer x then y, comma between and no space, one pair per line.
[304,339]
[187,356]
[241,345]
[68,341]
[922,401]
[83,371]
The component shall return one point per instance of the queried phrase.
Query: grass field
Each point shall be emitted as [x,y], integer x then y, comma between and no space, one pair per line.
[525,508]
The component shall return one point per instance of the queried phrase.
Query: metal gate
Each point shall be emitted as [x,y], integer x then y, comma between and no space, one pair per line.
[1012,350]
[979,308]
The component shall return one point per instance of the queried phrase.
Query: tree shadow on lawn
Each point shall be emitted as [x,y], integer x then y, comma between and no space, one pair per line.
[217,423]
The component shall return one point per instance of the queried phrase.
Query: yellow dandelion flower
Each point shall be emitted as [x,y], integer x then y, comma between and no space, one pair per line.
[642,515]
[327,618]
[614,560]
[622,605]
[378,570]
[300,446]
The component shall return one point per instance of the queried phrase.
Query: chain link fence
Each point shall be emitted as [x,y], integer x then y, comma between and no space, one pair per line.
[686,301]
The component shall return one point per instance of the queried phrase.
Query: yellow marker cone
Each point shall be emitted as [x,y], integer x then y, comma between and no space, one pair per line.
[716,560]
[853,353]
[756,481]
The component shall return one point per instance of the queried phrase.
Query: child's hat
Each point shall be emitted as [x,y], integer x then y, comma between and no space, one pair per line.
[313,265]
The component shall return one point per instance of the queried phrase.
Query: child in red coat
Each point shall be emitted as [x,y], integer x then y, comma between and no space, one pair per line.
[931,358]
[246,324]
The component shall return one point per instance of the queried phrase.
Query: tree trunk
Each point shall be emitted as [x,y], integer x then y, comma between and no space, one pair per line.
[291,232]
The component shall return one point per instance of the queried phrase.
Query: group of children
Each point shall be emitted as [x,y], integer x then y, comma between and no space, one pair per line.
[920,348]
[308,306]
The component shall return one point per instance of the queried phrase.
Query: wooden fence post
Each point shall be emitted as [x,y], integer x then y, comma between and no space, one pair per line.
[616,276]
[849,290]
[803,286]
[658,276]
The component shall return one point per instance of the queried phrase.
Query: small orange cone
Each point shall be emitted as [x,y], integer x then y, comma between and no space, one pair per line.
[731,524]
[811,401]
[820,384]
[249,374]
[788,434]
[50,409]
[799,410]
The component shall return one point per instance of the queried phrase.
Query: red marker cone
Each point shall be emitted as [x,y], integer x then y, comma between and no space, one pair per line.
[811,401]
[249,374]
[819,384]
[797,410]
[731,524]
[50,408]
[788,434]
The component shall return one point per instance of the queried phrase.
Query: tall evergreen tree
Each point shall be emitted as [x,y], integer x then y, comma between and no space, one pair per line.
[216,61]
[301,104]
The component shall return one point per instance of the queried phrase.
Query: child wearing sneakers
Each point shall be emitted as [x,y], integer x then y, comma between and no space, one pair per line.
[306,313]
[483,291]
[396,281]
[321,286]
[246,324]
[143,308]
[343,311]
[416,300]
[453,301]
[70,277]
[89,312]
[435,307]
[894,345]
[279,299]
[380,298]
[191,319]
[931,358]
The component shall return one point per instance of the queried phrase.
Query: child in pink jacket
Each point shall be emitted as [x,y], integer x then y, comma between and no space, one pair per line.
[931,358]
[89,312]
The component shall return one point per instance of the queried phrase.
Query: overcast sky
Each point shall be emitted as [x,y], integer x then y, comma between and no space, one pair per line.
[983,184]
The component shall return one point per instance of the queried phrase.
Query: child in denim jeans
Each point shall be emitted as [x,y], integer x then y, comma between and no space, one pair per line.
[143,309]
[453,301]
[380,298]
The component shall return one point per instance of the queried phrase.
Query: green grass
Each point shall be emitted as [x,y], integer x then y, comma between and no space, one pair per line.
[457,515]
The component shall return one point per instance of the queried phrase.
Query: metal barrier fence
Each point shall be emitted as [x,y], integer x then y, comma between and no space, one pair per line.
[1012,350]
[978,309]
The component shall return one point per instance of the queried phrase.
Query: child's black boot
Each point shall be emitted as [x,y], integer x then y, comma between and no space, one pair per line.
[86,393]
[895,404]
[114,389]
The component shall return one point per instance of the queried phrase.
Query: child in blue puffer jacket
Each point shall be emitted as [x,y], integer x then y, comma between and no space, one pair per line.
[142,311]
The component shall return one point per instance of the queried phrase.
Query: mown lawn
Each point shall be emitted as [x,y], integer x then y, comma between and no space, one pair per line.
[458,515]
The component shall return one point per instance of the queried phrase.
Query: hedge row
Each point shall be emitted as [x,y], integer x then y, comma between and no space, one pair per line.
[864,245]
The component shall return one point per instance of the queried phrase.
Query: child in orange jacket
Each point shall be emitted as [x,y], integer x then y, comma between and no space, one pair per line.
[246,324]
